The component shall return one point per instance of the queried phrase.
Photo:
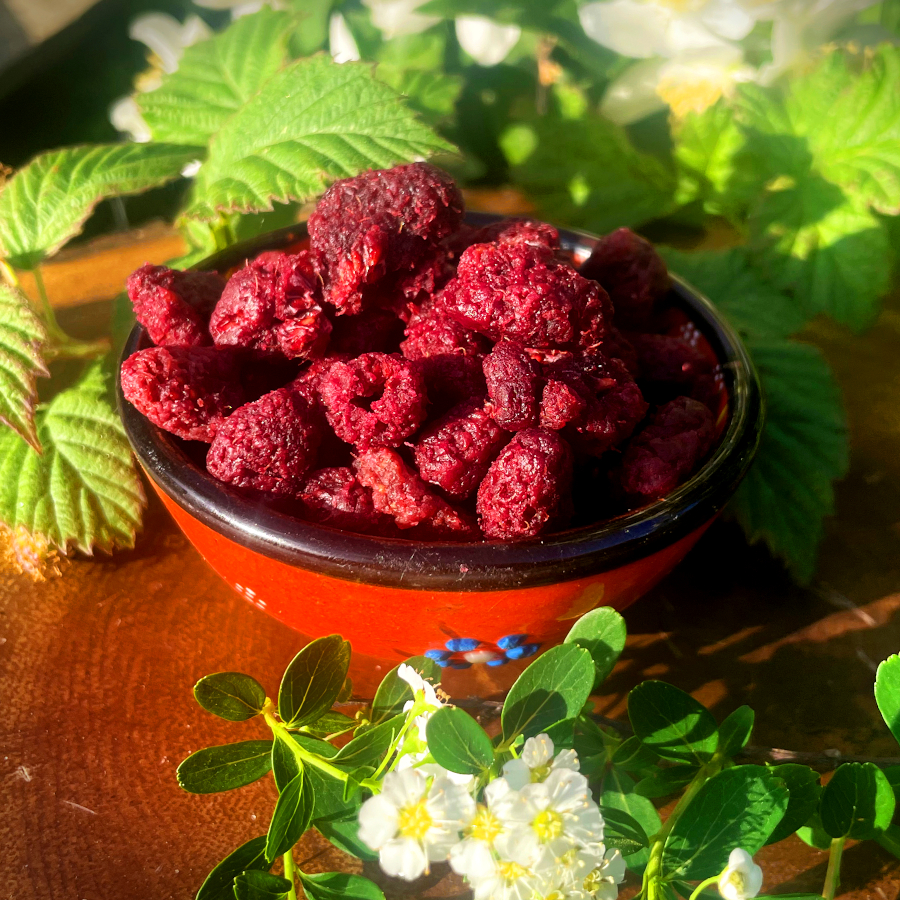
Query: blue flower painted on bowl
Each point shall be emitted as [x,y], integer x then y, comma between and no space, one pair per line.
[461,653]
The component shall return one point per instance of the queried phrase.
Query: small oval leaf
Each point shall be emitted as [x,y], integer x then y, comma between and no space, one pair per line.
[225,767]
[219,884]
[735,731]
[457,742]
[313,680]
[256,885]
[338,886]
[805,790]
[292,815]
[857,803]
[602,633]
[230,695]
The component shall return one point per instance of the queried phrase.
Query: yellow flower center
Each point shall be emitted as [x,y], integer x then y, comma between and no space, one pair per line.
[539,773]
[736,880]
[485,826]
[548,825]
[414,821]
[593,880]
[510,872]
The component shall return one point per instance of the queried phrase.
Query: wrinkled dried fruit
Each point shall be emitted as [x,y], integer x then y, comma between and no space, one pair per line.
[377,399]
[527,489]
[664,358]
[187,391]
[456,451]
[506,231]
[513,382]
[665,452]
[431,332]
[334,496]
[173,306]
[267,445]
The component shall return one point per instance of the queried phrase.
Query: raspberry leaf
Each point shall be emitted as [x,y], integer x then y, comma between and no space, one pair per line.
[46,203]
[312,122]
[83,491]
[22,339]
[788,490]
[215,78]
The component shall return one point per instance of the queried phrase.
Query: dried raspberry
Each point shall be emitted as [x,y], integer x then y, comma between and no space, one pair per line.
[617,346]
[386,222]
[667,359]
[560,405]
[271,305]
[431,332]
[185,390]
[613,403]
[632,272]
[450,379]
[506,231]
[526,488]
[267,445]
[513,382]
[172,305]
[456,451]
[519,292]
[377,399]
[398,492]
[375,329]
[335,497]
[667,450]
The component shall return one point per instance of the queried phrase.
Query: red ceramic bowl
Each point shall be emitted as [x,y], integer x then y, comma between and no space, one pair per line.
[462,604]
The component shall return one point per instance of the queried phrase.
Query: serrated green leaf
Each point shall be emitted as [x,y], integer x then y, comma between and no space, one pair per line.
[664,782]
[887,693]
[458,743]
[788,490]
[257,885]
[756,308]
[230,695]
[858,802]
[215,78]
[803,785]
[47,202]
[291,817]
[672,723]
[219,884]
[22,340]
[83,491]
[602,633]
[313,680]
[737,807]
[339,886]
[394,692]
[312,122]
[554,687]
[735,730]
[226,767]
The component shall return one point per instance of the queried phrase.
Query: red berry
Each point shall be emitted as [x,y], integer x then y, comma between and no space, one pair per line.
[513,382]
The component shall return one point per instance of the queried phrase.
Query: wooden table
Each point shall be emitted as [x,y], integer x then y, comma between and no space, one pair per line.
[97,665]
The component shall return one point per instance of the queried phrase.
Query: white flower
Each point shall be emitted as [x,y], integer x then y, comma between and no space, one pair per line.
[126,117]
[398,17]
[536,762]
[487,42]
[411,824]
[418,683]
[602,882]
[474,856]
[167,37]
[742,878]
[341,44]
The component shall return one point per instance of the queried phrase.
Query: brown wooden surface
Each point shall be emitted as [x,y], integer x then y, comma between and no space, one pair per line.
[96,666]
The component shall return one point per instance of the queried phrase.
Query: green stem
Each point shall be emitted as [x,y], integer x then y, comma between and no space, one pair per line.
[411,717]
[290,872]
[833,875]
[300,753]
[703,886]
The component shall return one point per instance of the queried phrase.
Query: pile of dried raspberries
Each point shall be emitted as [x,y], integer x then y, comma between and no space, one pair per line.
[409,375]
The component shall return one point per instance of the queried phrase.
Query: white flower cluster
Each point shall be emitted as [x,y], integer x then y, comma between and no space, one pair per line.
[536,834]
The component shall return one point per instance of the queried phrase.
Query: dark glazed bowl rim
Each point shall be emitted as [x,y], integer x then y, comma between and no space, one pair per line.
[486,566]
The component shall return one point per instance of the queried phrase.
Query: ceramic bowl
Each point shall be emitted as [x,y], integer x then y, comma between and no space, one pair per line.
[462,604]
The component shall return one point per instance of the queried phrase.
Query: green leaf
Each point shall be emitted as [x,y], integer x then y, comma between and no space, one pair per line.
[593,746]
[225,767]
[219,884]
[887,693]
[633,755]
[857,803]
[257,885]
[735,731]
[890,839]
[354,784]
[623,832]
[83,491]
[333,722]
[583,171]
[292,816]
[47,202]
[554,687]
[230,695]
[617,792]
[369,748]
[562,734]
[813,834]
[339,886]
[602,633]
[313,680]
[286,766]
[737,807]
[458,743]
[394,692]
[215,78]
[804,787]
[664,782]
[672,723]
[788,490]
[312,122]
[22,341]
[753,306]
